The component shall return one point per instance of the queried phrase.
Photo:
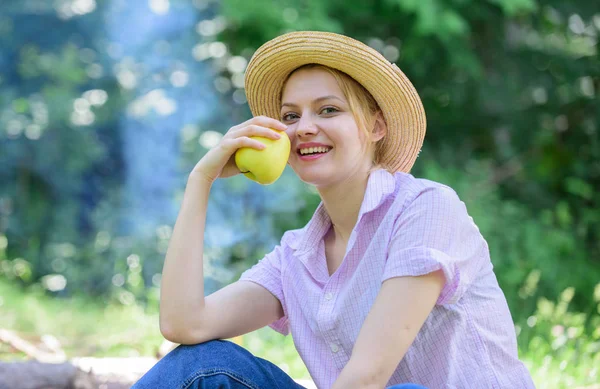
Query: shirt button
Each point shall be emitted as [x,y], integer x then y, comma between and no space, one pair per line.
[328,296]
[334,348]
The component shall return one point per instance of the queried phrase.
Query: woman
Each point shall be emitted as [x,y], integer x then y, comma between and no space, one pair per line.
[390,282]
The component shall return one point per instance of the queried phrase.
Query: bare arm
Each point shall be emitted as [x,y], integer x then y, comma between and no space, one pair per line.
[186,316]
[399,312]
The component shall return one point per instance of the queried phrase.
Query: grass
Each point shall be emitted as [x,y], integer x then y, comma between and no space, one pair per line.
[554,345]
[86,327]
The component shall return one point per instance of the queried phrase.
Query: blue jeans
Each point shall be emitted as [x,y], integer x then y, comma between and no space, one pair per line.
[219,364]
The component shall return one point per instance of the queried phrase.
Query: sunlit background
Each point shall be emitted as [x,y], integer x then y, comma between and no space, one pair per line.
[105,107]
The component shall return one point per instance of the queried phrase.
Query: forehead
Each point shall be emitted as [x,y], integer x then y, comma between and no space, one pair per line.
[308,84]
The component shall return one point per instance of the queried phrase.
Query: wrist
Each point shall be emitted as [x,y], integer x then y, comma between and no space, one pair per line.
[199,177]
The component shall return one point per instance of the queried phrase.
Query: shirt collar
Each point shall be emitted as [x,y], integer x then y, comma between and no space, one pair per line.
[380,185]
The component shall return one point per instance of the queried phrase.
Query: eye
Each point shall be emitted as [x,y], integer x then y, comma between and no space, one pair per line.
[289,116]
[329,110]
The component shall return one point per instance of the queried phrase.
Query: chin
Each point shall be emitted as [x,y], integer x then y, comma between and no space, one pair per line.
[316,176]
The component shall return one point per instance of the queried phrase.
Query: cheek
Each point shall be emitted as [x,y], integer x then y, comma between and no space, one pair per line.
[291,133]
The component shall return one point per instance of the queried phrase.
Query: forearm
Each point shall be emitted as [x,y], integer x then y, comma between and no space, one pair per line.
[356,377]
[182,283]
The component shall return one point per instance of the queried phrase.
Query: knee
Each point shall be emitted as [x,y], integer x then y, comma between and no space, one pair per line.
[213,352]
[186,360]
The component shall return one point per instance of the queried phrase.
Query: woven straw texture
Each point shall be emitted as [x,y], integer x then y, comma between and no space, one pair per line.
[402,108]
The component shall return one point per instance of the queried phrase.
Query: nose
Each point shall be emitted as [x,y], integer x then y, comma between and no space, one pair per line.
[306,127]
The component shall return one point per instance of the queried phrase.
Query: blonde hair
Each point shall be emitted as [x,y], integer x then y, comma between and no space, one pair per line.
[363,106]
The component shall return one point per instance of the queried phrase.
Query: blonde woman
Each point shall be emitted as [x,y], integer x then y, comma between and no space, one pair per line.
[389,284]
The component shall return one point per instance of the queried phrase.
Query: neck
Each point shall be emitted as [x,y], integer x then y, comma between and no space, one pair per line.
[342,202]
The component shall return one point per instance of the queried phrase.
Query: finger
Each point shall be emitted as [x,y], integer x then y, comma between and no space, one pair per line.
[238,143]
[265,121]
[255,130]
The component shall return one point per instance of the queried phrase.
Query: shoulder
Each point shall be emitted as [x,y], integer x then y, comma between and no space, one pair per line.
[412,191]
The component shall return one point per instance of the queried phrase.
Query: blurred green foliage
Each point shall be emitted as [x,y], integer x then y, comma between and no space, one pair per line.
[510,88]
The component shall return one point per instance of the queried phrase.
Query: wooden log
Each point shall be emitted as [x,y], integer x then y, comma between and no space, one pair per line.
[38,375]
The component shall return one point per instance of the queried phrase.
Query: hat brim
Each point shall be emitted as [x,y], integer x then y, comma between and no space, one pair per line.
[399,101]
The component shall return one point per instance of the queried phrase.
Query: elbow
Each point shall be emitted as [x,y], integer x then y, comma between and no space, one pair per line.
[180,333]
[170,333]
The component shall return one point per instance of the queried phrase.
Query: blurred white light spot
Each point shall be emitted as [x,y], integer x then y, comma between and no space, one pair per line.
[33,131]
[209,27]
[179,78]
[154,100]
[114,50]
[377,44]
[576,24]
[126,298]
[81,105]
[159,7]
[82,7]
[531,320]
[166,107]
[238,80]
[39,112]
[64,10]
[133,260]
[391,53]
[102,241]
[562,123]
[188,132]
[82,118]
[239,96]
[200,51]
[206,28]
[237,64]
[54,282]
[96,97]
[539,95]
[210,139]
[217,49]
[118,280]
[290,15]
[587,86]
[164,231]
[222,84]
[126,79]
[14,128]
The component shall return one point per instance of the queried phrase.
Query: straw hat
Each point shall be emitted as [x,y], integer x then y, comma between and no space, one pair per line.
[402,108]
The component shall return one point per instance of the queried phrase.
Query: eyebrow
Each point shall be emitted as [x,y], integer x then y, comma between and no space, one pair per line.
[319,99]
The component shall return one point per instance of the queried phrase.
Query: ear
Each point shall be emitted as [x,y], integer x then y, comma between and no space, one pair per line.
[380,129]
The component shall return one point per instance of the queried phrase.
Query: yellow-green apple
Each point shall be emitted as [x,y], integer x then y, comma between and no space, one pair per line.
[266,165]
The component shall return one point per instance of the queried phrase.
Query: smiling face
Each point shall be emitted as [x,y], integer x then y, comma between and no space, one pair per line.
[327,144]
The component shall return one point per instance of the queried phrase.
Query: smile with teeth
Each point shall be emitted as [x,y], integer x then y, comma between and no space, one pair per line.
[314,150]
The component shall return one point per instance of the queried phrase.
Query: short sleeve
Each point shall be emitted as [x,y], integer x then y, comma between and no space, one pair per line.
[267,273]
[433,232]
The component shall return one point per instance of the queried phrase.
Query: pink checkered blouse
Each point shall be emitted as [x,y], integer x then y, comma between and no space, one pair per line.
[406,227]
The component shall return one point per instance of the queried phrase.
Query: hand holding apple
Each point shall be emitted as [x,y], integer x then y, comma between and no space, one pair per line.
[220,161]
[264,166]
